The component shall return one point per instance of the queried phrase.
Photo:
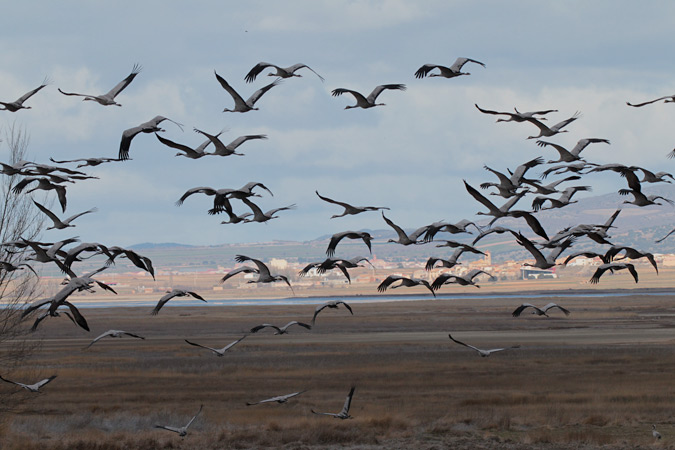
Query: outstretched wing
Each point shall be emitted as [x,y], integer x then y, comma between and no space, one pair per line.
[124,83]
[243,269]
[348,402]
[259,93]
[378,90]
[462,343]
[255,71]
[555,305]
[265,325]
[521,308]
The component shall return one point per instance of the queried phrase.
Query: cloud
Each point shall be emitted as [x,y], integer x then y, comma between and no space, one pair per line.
[340,16]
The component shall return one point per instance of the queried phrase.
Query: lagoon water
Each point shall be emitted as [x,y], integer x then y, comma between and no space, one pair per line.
[145,302]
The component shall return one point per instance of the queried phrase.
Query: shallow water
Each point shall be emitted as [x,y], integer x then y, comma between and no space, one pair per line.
[365,299]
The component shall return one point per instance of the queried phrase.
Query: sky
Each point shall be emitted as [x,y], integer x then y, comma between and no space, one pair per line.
[410,155]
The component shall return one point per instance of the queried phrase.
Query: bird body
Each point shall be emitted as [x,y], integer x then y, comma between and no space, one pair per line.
[655,433]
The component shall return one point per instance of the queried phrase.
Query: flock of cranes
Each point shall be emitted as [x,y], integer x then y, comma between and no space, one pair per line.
[511,188]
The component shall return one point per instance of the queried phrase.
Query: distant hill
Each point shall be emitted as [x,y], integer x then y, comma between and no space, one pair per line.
[150,245]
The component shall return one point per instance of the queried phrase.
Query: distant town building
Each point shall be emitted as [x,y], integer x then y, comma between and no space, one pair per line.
[278,264]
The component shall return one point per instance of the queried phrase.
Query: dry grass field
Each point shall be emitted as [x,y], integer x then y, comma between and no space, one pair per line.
[596,379]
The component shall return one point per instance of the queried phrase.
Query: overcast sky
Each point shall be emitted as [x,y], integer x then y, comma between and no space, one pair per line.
[410,155]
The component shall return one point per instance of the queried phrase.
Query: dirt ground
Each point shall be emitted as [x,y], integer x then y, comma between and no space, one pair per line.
[598,378]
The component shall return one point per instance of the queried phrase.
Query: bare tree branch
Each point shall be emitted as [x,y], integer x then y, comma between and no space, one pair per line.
[18,218]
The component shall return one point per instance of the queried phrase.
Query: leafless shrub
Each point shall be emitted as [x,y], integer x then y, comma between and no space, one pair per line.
[18,219]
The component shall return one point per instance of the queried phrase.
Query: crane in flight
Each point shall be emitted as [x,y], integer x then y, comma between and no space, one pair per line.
[337,237]
[151,126]
[446,72]
[344,414]
[59,224]
[108,98]
[114,334]
[517,116]
[404,281]
[264,274]
[18,103]
[666,99]
[539,311]
[281,72]
[182,431]
[367,102]
[280,330]
[481,352]
[241,105]
[30,387]
[174,293]
[219,351]
[349,209]
[279,398]
[332,304]
[545,131]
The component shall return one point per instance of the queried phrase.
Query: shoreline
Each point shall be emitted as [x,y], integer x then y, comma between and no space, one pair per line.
[145,300]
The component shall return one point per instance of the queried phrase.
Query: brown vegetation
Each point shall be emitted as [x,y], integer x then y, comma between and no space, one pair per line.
[599,377]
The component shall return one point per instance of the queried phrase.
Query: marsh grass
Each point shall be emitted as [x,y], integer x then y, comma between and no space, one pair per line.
[575,382]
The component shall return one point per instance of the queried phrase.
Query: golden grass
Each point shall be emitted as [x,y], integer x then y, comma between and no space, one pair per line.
[600,377]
